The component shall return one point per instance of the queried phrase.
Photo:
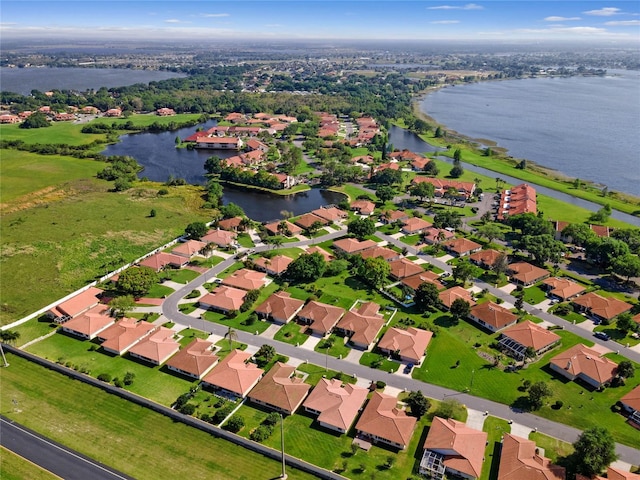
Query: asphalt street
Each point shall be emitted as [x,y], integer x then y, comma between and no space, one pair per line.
[52,456]
[558,430]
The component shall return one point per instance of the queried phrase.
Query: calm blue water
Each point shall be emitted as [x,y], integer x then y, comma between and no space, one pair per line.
[585,127]
[23,80]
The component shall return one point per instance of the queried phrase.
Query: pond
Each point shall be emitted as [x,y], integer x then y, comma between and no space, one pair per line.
[157,153]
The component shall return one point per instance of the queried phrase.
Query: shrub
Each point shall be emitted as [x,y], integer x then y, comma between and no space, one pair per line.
[558,405]
[261,433]
[118,383]
[104,377]
[193,294]
[234,424]
[163,191]
[187,409]
[271,419]
[128,378]
[380,384]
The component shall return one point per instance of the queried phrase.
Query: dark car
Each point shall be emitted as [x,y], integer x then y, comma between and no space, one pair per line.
[601,335]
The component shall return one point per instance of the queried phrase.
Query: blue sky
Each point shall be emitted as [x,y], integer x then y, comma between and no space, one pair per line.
[617,21]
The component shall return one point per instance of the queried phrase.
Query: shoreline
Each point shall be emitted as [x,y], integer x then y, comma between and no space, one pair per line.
[501,154]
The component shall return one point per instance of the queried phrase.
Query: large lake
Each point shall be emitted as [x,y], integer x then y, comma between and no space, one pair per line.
[585,127]
[157,153]
[23,80]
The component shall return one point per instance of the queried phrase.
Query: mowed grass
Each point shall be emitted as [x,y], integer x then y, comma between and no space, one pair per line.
[14,467]
[27,174]
[132,439]
[58,133]
[495,428]
[146,119]
[52,249]
[150,381]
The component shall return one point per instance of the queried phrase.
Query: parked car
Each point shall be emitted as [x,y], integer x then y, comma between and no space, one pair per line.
[601,335]
[408,368]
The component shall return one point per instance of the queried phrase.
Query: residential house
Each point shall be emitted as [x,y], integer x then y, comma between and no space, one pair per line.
[414,281]
[461,247]
[612,474]
[113,112]
[601,308]
[434,235]
[525,274]
[280,308]
[75,305]
[404,156]
[246,279]
[219,143]
[586,364]
[64,117]
[283,227]
[223,299]
[320,317]
[165,112]
[520,460]
[286,181]
[254,144]
[631,403]
[600,230]
[464,190]
[419,163]
[273,266]
[280,389]
[159,261]
[235,117]
[519,199]
[308,219]
[123,335]
[157,347]
[336,404]
[351,246]
[516,340]
[409,345]
[492,316]
[450,295]
[415,225]
[392,216]
[7,118]
[221,238]
[383,422]
[195,360]
[362,326]
[562,288]
[90,323]
[189,249]
[230,224]
[363,207]
[89,110]
[384,252]
[453,449]
[485,258]
[404,268]
[330,214]
[234,375]
[326,255]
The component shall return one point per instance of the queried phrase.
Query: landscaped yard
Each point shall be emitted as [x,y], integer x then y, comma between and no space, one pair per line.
[337,347]
[159,291]
[244,239]
[495,428]
[34,328]
[134,440]
[292,333]
[534,294]
[184,275]
[150,381]
[189,334]
[381,362]
[553,448]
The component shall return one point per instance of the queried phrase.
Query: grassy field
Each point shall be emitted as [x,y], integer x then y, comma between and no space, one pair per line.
[64,244]
[292,333]
[495,428]
[58,133]
[14,467]
[553,448]
[134,440]
[144,120]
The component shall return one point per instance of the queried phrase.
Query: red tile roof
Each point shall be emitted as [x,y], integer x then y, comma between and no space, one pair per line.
[308,219]
[273,228]
[494,315]
[78,303]
[462,447]
[582,360]
[403,268]
[90,322]
[602,306]
[485,257]
[632,399]
[519,460]
[323,317]
[563,287]
[189,248]
[280,306]
[450,295]
[224,298]
[519,199]
[376,251]
[383,419]
[364,324]
[330,214]
[337,403]
[441,185]
[326,255]
[235,374]
[230,223]
[526,273]
[433,235]
[195,359]
[365,207]
[219,237]
[275,265]
[351,245]
[157,347]
[461,245]
[160,260]
[410,344]
[246,279]
[415,224]
[280,389]
[415,281]
[124,334]
[528,334]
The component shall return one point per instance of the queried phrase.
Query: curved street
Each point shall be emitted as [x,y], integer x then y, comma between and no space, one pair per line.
[563,432]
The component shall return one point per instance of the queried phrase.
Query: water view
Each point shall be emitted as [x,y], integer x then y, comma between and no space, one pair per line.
[23,80]
[575,125]
[157,153]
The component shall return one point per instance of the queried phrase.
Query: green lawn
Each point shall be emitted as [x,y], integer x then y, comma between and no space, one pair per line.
[14,467]
[183,275]
[66,243]
[58,133]
[159,291]
[212,261]
[146,119]
[150,382]
[411,239]
[495,428]
[187,308]
[34,328]
[316,372]
[553,448]
[386,365]
[134,440]
[338,349]
[534,294]
[291,333]
[190,334]
[244,239]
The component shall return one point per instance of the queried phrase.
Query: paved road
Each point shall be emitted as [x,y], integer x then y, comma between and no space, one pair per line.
[53,456]
[564,432]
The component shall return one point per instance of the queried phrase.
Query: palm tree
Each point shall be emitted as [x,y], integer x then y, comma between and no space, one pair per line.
[477,181]
[232,336]
[9,336]
[245,224]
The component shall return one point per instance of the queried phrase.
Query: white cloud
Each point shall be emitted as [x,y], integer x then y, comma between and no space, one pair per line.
[7,24]
[603,12]
[445,22]
[468,6]
[561,19]
[571,30]
[214,15]
[623,23]
[173,20]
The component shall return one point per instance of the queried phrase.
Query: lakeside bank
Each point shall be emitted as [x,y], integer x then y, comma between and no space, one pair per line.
[498,161]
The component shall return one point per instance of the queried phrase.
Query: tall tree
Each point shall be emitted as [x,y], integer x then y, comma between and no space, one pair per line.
[361,227]
[595,450]
[460,308]
[375,271]
[463,271]
[426,297]
[537,393]
[306,268]
[418,403]
[137,281]
[490,231]
[422,190]
[385,193]
[627,265]
[196,230]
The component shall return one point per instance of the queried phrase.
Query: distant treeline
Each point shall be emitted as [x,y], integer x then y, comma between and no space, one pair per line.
[78,151]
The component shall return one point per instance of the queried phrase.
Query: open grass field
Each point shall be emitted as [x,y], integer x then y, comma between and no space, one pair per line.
[27,177]
[67,133]
[14,467]
[51,249]
[146,119]
[132,439]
